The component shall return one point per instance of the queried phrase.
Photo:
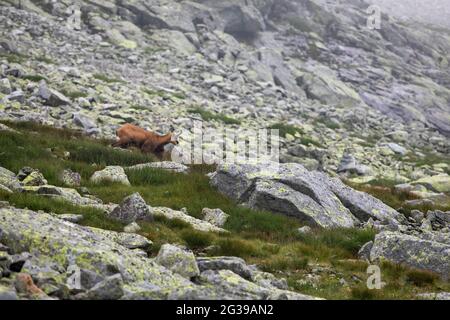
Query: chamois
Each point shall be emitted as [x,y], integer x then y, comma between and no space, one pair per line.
[148,142]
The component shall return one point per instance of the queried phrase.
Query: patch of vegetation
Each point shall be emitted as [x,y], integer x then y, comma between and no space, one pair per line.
[107,79]
[270,241]
[210,116]
[34,78]
[164,94]
[45,59]
[285,129]
[306,141]
[384,190]
[14,57]
[74,94]
[421,278]
[328,123]
[197,239]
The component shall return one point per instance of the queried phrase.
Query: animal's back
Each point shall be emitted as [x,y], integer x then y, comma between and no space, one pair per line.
[132,132]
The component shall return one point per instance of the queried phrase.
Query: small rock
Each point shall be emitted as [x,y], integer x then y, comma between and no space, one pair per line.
[111,174]
[215,216]
[52,97]
[178,260]
[364,252]
[109,289]
[16,96]
[70,178]
[417,215]
[131,209]
[33,178]
[74,218]
[132,228]
[5,86]
[304,230]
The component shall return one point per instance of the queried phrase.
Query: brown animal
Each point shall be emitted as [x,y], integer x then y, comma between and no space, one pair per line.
[149,142]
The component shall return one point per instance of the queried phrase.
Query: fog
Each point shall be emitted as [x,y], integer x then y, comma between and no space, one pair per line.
[430,11]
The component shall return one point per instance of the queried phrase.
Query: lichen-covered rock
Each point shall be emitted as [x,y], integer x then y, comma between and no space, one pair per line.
[132,228]
[364,252]
[290,189]
[412,251]
[35,178]
[70,178]
[438,183]
[128,240]
[197,224]
[74,218]
[8,180]
[111,174]
[215,216]
[235,264]
[164,165]
[178,260]
[235,287]
[66,194]
[268,280]
[131,209]
[111,288]
[434,296]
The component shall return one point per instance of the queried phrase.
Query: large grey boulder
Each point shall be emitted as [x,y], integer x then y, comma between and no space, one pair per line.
[131,209]
[235,264]
[178,260]
[426,254]
[309,196]
[52,97]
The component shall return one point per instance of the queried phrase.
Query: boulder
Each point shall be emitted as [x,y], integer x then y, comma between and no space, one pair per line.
[9,180]
[438,183]
[111,174]
[110,288]
[290,189]
[164,165]
[18,96]
[52,97]
[178,260]
[215,216]
[70,178]
[235,264]
[427,254]
[132,228]
[131,209]
[5,86]
[197,224]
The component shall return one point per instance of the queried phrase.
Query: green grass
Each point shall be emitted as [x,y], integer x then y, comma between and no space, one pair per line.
[14,57]
[45,59]
[262,238]
[285,129]
[211,116]
[164,94]
[34,78]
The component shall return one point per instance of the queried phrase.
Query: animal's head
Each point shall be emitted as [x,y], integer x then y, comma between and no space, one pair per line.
[174,136]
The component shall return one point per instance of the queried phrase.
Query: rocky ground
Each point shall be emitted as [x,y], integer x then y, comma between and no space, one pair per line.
[369,107]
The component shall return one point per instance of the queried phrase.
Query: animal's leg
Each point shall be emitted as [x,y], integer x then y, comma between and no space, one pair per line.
[121,143]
